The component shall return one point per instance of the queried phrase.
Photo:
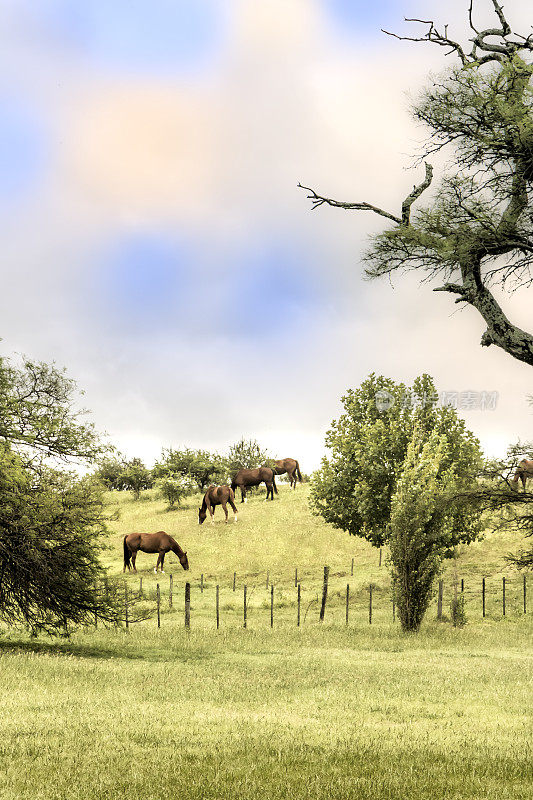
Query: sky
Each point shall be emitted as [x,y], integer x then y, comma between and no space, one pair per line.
[155,243]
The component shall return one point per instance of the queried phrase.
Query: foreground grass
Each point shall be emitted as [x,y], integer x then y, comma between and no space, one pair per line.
[323,713]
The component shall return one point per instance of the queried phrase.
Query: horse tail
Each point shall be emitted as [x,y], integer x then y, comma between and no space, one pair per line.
[298,472]
[127,554]
[274,481]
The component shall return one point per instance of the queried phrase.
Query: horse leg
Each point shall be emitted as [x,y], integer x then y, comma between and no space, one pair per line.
[133,560]
[158,562]
[163,554]
[243,494]
[270,491]
[234,507]
[524,479]
[225,508]
[212,513]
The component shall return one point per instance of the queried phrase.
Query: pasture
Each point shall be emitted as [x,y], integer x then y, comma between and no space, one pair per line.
[320,711]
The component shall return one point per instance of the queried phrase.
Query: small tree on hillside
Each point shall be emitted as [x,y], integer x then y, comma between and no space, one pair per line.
[136,477]
[246,454]
[200,466]
[110,472]
[176,489]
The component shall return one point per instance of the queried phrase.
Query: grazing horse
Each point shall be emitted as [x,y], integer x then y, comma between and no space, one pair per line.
[160,543]
[253,477]
[291,467]
[217,496]
[523,472]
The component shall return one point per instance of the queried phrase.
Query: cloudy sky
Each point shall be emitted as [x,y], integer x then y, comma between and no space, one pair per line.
[154,239]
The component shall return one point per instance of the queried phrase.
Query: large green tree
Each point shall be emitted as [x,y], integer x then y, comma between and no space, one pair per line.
[477,230]
[51,520]
[368,443]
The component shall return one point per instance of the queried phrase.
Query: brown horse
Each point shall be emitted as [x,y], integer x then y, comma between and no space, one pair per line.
[160,543]
[217,496]
[291,467]
[253,477]
[523,472]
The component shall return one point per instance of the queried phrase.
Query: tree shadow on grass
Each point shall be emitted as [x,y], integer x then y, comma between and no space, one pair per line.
[123,650]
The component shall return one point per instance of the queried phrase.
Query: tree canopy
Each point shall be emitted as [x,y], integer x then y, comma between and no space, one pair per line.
[51,520]
[477,230]
[368,444]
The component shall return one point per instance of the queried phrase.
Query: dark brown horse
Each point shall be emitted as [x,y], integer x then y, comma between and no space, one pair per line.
[160,543]
[253,477]
[217,496]
[291,467]
[523,471]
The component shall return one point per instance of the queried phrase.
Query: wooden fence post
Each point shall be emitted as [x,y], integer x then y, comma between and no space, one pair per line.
[462,585]
[187,605]
[272,605]
[380,556]
[234,579]
[126,604]
[503,596]
[299,601]
[352,567]
[158,595]
[170,585]
[347,600]
[370,605]
[524,594]
[324,594]
[483,595]
[439,600]
[140,586]
[218,606]
[245,605]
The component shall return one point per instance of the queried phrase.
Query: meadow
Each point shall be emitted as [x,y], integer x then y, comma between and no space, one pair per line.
[321,710]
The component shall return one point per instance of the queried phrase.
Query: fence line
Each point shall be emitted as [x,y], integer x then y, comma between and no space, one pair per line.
[510,598]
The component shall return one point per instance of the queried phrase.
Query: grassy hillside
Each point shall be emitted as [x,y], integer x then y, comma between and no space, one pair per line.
[274,539]
[320,712]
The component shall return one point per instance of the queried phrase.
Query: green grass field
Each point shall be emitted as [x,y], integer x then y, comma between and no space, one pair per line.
[320,711]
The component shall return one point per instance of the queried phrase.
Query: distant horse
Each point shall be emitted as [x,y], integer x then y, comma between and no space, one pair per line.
[523,472]
[217,496]
[291,467]
[160,543]
[253,477]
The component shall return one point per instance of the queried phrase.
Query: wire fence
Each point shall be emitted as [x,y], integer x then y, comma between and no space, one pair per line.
[317,599]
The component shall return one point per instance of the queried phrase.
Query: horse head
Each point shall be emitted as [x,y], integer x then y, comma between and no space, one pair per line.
[184,561]
[202,514]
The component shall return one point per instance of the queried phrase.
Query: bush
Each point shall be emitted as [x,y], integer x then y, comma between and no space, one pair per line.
[175,489]
[457,611]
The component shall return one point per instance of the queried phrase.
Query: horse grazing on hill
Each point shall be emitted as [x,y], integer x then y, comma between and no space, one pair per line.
[217,496]
[523,471]
[160,543]
[253,477]
[291,467]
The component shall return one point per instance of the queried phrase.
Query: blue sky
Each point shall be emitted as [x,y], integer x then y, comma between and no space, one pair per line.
[154,239]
